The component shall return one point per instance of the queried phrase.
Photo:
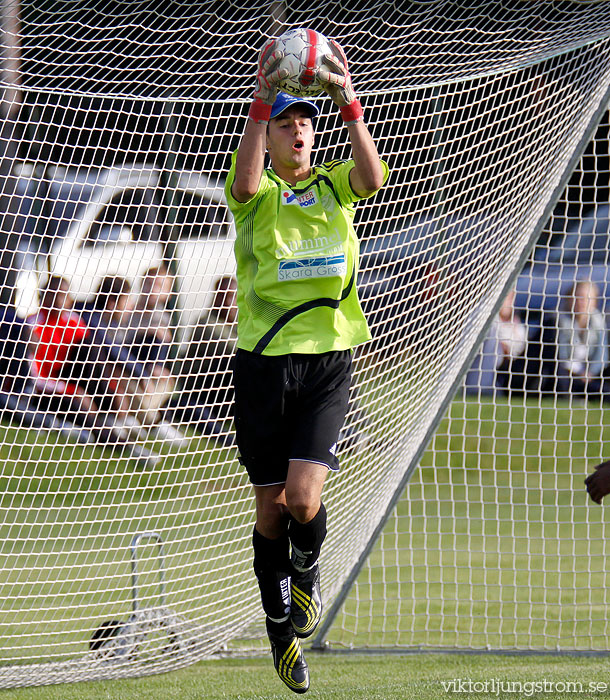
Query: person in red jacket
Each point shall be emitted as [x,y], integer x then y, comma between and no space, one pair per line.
[82,392]
[56,331]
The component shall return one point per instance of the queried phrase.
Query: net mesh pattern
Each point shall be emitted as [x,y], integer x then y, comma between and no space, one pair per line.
[126,523]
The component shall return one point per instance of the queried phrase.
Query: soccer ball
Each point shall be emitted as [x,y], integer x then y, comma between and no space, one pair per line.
[303,52]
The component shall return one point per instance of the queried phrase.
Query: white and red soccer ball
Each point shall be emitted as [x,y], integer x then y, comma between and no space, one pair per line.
[303,52]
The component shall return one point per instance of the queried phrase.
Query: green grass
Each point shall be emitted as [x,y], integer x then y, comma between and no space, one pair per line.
[494,542]
[354,677]
[93,501]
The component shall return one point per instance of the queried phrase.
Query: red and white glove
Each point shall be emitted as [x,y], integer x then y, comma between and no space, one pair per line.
[268,77]
[337,82]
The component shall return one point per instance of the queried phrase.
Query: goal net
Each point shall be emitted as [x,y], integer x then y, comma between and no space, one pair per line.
[494,543]
[126,519]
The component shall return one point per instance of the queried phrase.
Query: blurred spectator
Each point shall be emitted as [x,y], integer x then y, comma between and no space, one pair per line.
[106,317]
[17,399]
[57,337]
[150,325]
[150,337]
[14,366]
[205,386]
[139,392]
[106,354]
[502,357]
[576,348]
[65,384]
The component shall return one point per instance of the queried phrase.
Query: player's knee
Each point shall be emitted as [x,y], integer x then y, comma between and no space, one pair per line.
[271,518]
[302,506]
[304,489]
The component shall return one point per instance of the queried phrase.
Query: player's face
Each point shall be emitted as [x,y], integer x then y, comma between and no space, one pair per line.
[290,140]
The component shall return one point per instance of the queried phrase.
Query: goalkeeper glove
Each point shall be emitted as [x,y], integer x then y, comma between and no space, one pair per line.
[268,77]
[337,82]
[598,483]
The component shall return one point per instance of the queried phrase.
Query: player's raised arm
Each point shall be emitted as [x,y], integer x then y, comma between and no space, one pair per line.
[368,175]
[251,154]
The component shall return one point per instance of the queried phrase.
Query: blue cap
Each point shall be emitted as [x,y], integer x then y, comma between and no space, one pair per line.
[283,101]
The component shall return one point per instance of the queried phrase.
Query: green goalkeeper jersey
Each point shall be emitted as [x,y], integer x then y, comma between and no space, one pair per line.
[297,261]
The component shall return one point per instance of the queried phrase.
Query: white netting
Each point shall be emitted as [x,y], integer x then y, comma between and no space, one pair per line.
[184,52]
[118,130]
[495,543]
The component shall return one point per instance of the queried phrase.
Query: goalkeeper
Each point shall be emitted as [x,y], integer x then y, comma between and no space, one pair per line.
[298,319]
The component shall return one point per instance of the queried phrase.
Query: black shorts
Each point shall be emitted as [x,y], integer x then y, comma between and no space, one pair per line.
[289,407]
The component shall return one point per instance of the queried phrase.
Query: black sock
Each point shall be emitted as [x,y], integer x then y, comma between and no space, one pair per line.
[272,569]
[278,628]
[306,540]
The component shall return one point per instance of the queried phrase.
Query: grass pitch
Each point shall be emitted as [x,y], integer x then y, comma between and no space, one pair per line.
[496,516]
[358,677]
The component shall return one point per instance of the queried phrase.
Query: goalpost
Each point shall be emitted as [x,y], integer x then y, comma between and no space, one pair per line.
[125,544]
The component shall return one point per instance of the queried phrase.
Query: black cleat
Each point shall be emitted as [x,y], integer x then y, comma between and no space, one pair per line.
[288,658]
[305,602]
